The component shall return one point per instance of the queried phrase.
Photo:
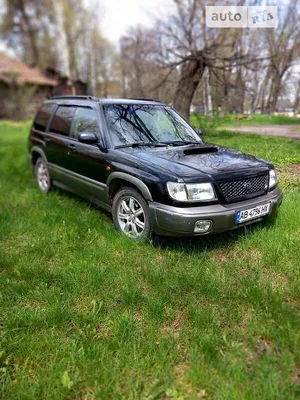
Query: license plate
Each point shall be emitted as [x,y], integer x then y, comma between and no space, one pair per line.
[251,213]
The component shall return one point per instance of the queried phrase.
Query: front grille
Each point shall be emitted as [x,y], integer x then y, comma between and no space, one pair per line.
[244,188]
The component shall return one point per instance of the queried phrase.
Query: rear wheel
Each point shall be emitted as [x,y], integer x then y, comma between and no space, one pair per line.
[42,175]
[131,214]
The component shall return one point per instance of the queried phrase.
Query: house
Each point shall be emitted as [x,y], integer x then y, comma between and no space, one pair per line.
[64,85]
[22,89]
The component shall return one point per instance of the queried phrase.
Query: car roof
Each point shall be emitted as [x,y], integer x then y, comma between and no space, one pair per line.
[90,99]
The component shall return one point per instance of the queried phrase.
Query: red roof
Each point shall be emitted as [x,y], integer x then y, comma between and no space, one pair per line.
[12,70]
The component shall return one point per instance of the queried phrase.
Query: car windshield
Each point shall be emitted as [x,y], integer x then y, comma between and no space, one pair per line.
[143,124]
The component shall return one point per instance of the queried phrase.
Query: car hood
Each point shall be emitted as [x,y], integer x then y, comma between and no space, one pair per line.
[218,163]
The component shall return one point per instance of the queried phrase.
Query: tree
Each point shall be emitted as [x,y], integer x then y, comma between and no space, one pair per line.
[61,34]
[21,25]
[283,45]
[190,47]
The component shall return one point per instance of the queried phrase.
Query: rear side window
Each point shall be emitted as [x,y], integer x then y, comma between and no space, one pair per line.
[62,120]
[43,116]
[85,121]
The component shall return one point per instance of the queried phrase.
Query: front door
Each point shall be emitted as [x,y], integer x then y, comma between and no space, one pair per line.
[86,162]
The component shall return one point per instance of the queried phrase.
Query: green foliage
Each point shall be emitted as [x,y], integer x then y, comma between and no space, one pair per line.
[66,381]
[208,123]
[86,313]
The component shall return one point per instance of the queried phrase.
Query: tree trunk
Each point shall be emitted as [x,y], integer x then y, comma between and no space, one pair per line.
[296,101]
[275,94]
[207,87]
[139,92]
[123,76]
[263,90]
[31,35]
[190,76]
[242,98]
[62,51]
[260,94]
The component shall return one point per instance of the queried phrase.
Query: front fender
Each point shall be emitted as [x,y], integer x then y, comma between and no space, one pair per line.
[132,179]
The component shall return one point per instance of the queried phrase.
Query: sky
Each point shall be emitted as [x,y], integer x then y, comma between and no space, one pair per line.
[119,15]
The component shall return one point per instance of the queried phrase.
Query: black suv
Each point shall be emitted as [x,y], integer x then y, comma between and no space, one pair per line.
[144,163]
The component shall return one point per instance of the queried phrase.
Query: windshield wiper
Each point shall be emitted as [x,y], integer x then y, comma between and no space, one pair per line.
[138,144]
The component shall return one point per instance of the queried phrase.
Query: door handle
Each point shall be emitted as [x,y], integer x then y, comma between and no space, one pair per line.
[72,147]
[47,139]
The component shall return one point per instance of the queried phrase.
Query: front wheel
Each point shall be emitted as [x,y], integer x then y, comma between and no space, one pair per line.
[131,214]
[42,175]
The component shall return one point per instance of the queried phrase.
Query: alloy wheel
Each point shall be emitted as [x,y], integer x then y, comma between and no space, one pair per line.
[131,217]
[42,176]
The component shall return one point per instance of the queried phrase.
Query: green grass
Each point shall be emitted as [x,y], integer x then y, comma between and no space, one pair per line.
[279,151]
[85,313]
[261,119]
[208,125]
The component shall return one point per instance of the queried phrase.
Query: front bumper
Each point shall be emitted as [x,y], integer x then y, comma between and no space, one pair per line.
[176,221]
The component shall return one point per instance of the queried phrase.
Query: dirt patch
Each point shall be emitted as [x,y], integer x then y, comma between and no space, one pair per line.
[246,319]
[296,169]
[289,176]
[239,255]
[292,171]
[286,131]
[257,350]
[174,328]
[181,372]
[276,280]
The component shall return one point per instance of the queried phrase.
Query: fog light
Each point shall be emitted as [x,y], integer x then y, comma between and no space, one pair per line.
[202,226]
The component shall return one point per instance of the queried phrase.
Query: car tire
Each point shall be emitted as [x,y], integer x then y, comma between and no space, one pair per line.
[131,215]
[42,175]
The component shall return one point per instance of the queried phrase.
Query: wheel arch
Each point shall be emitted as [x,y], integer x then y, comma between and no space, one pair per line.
[116,180]
[36,153]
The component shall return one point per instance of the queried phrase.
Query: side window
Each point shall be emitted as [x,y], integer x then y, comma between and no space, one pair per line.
[43,116]
[62,120]
[85,120]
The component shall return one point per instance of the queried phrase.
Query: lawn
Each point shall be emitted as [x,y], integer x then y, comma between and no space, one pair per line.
[85,313]
[255,119]
[263,119]
[230,121]
[260,119]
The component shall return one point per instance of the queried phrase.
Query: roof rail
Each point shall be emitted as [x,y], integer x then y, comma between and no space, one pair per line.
[145,99]
[74,97]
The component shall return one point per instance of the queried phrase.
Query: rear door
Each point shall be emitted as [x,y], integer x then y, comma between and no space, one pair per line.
[39,127]
[58,135]
[57,141]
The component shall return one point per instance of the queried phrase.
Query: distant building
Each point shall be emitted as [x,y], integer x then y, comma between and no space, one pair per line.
[64,85]
[22,89]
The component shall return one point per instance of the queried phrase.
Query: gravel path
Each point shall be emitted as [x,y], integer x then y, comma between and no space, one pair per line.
[287,131]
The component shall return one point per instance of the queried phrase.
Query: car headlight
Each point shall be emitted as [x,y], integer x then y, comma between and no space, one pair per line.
[273,180]
[191,191]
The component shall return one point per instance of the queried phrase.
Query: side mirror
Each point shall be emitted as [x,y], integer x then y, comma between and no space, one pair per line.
[88,138]
[198,131]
